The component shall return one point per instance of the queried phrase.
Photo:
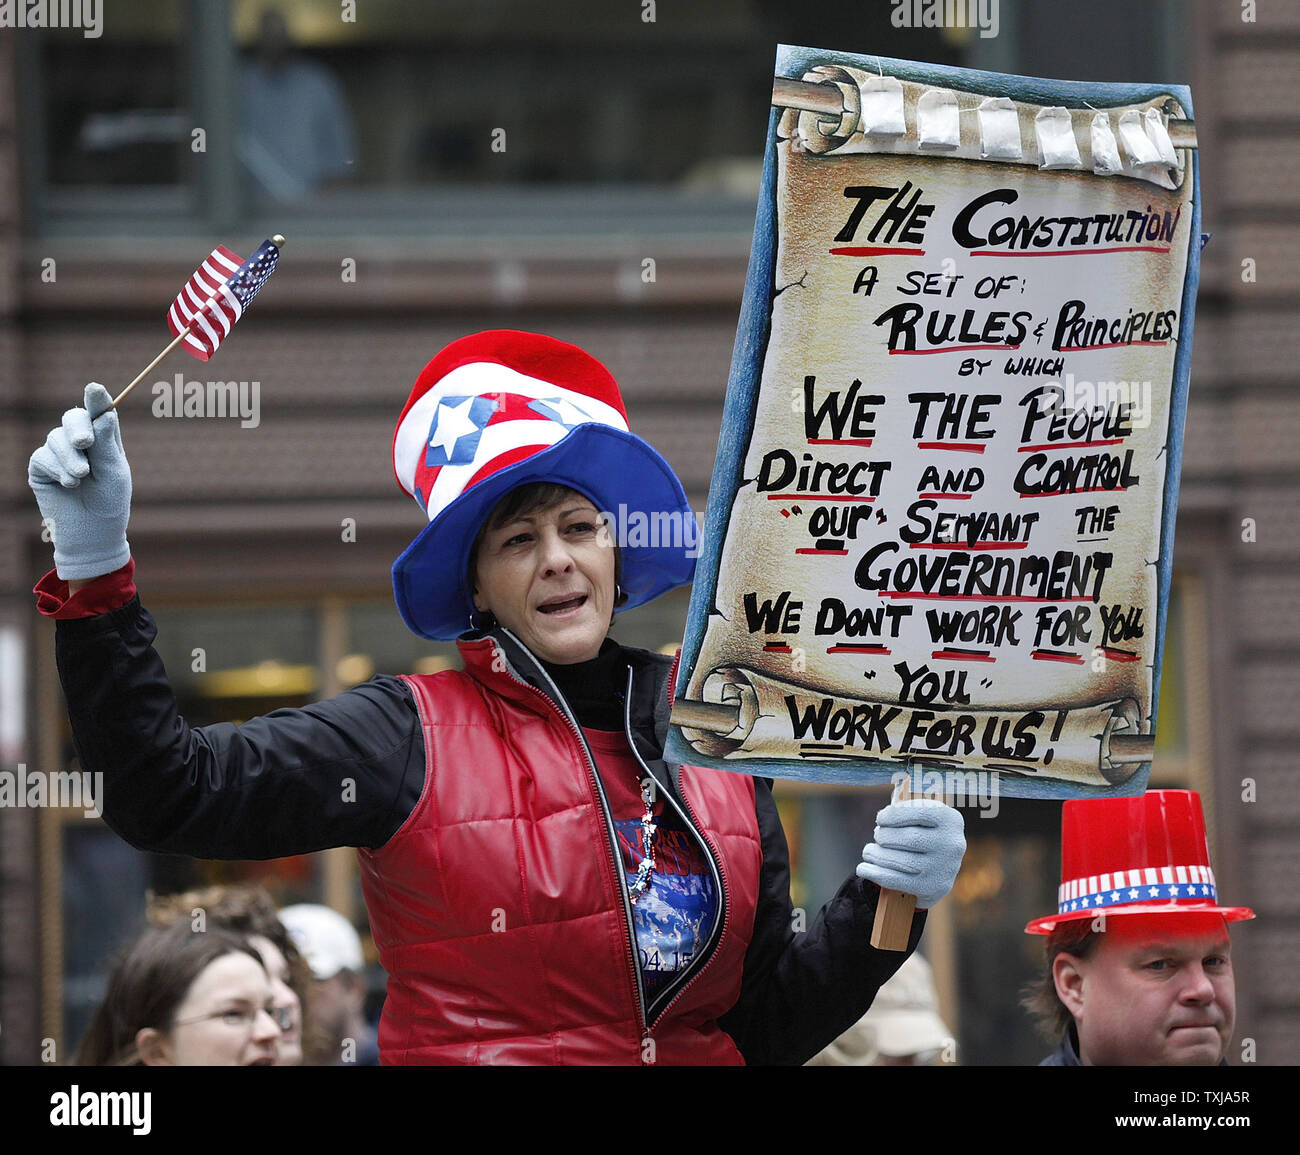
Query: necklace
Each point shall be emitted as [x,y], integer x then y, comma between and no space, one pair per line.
[647,865]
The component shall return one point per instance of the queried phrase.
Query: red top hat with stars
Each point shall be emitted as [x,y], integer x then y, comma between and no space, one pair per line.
[1139,855]
[502,408]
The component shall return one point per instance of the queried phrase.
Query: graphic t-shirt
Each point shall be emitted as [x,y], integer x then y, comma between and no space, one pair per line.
[674,917]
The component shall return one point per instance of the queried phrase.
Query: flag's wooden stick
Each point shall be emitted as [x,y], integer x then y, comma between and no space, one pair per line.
[185,332]
[277,241]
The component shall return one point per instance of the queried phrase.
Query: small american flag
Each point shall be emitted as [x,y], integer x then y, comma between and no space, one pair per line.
[215,297]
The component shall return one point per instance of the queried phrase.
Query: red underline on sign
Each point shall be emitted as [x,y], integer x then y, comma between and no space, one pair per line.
[960,349]
[1069,252]
[946,496]
[1052,656]
[963,545]
[872,251]
[1094,489]
[843,648]
[776,648]
[825,552]
[1112,345]
[818,497]
[1120,655]
[839,441]
[961,656]
[1069,445]
[979,597]
[955,446]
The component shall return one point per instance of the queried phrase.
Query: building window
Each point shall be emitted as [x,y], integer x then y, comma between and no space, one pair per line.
[465,120]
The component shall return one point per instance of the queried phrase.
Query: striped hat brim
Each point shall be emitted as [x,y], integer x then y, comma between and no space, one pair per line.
[1228,913]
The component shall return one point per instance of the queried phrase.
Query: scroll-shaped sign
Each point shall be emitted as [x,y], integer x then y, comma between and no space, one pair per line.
[940,527]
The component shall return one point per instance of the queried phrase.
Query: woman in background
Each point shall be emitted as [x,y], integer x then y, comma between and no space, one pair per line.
[180,998]
[249,912]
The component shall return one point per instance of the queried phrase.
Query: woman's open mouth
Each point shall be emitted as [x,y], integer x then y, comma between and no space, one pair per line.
[563,604]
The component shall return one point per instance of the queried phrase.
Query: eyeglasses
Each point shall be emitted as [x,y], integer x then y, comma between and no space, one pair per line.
[282,1017]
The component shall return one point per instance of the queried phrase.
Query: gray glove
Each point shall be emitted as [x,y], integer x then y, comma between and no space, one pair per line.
[918,849]
[82,483]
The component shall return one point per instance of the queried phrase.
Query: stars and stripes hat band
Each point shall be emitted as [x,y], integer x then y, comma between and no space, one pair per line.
[1140,855]
[500,409]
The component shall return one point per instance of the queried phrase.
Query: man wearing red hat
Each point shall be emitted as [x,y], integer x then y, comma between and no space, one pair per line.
[1139,965]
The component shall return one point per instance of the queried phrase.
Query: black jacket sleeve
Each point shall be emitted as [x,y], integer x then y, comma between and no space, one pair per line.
[801,990]
[343,772]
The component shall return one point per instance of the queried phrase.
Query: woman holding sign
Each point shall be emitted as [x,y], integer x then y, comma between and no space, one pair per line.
[541,885]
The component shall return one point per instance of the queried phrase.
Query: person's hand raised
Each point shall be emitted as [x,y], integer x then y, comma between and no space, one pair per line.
[82,484]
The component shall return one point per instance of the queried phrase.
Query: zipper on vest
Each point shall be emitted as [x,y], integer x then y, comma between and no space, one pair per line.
[702,957]
[562,708]
[693,971]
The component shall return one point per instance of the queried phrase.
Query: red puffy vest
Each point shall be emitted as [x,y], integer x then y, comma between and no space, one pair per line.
[498,908]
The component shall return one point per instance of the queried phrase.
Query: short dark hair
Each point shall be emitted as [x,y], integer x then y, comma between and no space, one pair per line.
[524,499]
[149,982]
[1039,998]
[534,497]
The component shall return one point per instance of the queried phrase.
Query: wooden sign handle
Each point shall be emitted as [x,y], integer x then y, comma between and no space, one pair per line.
[894,910]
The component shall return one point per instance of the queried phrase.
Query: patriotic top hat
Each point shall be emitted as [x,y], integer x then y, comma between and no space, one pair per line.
[499,409]
[1140,855]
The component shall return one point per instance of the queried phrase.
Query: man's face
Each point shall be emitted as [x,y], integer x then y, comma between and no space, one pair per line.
[335,1002]
[1156,990]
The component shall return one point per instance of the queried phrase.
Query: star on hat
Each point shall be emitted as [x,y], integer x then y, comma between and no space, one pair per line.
[457,418]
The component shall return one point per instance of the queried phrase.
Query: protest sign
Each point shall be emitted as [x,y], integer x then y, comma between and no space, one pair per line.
[940,526]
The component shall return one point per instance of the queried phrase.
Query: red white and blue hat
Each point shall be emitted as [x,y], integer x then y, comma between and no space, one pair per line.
[500,409]
[1145,854]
